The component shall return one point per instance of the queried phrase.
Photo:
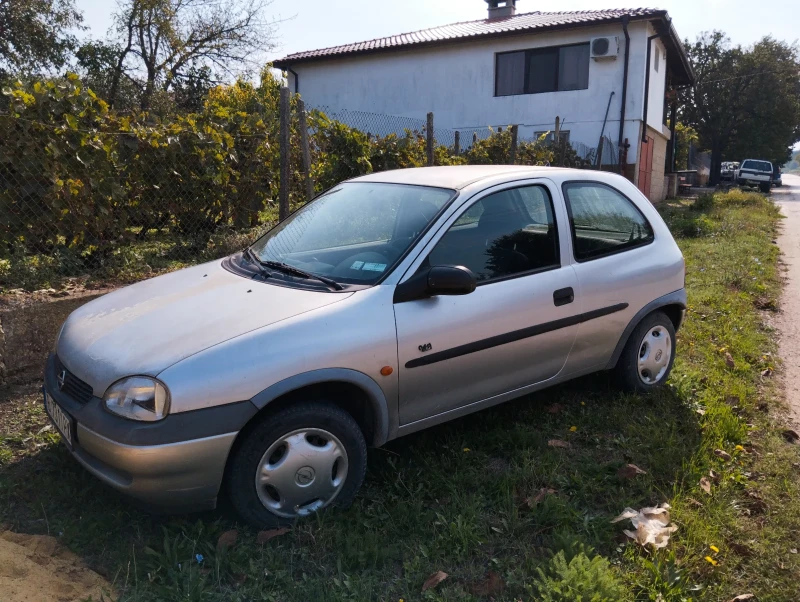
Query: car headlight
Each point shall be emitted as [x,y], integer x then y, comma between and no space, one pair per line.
[138,398]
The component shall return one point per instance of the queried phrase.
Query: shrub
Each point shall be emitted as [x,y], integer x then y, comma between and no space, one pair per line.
[582,579]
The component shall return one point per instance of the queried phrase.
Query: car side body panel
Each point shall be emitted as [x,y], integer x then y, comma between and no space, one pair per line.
[355,336]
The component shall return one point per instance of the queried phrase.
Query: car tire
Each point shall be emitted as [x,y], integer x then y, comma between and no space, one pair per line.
[764,188]
[641,368]
[310,453]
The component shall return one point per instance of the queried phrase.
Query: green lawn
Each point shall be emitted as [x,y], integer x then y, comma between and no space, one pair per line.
[485,498]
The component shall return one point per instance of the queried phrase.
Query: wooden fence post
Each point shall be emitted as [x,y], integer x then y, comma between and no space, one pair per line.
[513,153]
[474,137]
[429,139]
[306,151]
[457,144]
[283,197]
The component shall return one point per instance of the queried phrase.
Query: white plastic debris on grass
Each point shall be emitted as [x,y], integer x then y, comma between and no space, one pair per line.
[651,524]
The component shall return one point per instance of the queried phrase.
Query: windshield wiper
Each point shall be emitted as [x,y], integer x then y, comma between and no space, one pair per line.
[290,269]
[252,258]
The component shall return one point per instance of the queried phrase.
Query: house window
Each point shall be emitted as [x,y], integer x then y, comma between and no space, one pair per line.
[658,58]
[552,69]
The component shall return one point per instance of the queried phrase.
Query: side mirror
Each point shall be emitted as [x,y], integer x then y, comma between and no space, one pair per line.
[438,280]
[450,280]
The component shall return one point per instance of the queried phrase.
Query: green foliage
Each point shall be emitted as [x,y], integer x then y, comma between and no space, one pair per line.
[685,136]
[35,35]
[580,579]
[344,152]
[745,102]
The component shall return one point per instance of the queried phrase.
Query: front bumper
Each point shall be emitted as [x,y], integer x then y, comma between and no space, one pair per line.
[176,464]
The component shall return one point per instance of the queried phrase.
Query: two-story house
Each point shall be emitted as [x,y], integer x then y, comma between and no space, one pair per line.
[600,72]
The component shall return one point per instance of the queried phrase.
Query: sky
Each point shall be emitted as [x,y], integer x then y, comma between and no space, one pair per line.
[311,24]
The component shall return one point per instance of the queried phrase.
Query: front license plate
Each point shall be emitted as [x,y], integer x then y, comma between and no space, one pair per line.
[60,418]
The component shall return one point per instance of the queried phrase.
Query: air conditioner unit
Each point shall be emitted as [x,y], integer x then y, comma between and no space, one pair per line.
[604,48]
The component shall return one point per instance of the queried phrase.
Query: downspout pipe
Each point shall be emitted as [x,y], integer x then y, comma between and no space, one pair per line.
[625,20]
[296,79]
[647,85]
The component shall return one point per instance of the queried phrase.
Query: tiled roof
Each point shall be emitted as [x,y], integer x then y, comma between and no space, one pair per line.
[476,29]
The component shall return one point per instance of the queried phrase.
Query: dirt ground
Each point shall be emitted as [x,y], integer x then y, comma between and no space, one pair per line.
[788,322]
[36,568]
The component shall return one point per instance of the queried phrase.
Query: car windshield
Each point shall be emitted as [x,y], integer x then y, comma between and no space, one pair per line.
[757,165]
[355,232]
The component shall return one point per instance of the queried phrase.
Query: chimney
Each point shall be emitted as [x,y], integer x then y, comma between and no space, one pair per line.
[499,9]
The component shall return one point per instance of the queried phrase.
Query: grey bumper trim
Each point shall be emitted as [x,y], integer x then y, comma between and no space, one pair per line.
[183,426]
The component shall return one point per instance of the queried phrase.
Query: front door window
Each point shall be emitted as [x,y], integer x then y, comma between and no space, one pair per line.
[503,235]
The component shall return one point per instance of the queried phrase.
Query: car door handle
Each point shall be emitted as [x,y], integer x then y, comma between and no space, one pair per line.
[563,296]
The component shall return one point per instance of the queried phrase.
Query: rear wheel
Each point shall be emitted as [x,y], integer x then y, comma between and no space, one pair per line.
[296,462]
[764,188]
[647,358]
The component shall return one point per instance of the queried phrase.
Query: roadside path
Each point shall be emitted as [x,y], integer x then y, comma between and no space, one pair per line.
[788,322]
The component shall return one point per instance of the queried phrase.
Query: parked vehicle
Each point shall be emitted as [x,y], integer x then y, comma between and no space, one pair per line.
[776,176]
[391,303]
[729,171]
[754,172]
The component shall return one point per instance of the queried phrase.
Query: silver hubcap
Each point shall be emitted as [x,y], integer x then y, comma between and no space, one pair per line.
[301,472]
[655,352]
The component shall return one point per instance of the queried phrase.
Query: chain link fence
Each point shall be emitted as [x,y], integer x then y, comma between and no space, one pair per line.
[104,198]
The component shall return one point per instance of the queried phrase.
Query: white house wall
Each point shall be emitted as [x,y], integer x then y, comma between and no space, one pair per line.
[456,83]
[655,108]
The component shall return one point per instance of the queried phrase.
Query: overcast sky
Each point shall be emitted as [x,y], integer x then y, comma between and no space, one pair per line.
[321,23]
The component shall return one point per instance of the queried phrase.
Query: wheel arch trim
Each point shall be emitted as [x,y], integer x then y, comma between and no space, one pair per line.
[674,298]
[374,394]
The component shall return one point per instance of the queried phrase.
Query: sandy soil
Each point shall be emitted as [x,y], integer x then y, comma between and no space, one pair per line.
[788,322]
[36,568]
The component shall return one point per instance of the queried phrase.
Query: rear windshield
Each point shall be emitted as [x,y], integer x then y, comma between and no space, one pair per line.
[757,165]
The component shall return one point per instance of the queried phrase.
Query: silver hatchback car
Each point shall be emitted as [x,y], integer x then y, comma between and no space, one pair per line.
[391,303]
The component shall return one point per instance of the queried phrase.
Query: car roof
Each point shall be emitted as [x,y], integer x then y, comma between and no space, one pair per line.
[459,176]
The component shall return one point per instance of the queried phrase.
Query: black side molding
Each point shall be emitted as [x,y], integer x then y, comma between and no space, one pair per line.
[515,335]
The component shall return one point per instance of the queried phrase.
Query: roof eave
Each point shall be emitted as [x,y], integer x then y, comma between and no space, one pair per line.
[683,74]
[657,16]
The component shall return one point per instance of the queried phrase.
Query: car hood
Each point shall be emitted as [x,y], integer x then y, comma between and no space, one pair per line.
[151,325]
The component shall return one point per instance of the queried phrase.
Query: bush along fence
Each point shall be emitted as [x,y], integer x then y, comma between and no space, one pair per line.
[87,192]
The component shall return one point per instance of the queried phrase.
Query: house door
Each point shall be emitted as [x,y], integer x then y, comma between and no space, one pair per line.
[646,166]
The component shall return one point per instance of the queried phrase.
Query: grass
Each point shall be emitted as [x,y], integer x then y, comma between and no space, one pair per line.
[485,498]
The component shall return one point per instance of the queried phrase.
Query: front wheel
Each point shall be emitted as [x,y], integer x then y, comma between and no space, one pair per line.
[647,358]
[296,462]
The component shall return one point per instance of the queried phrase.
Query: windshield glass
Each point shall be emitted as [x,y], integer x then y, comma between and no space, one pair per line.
[355,232]
[757,165]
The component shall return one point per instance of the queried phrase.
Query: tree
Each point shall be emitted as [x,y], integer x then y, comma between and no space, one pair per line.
[34,35]
[167,43]
[746,101]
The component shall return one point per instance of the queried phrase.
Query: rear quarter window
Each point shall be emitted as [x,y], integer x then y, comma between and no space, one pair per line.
[603,221]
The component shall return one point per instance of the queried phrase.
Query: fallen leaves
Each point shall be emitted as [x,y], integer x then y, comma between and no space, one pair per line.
[629,471]
[651,524]
[722,454]
[790,435]
[559,443]
[554,408]
[532,500]
[264,536]
[743,598]
[491,585]
[705,485]
[434,580]
[729,360]
[227,539]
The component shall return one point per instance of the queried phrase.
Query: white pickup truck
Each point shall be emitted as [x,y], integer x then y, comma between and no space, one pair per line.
[754,172]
